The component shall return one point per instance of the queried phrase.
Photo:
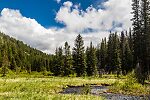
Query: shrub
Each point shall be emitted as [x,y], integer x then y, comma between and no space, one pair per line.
[129,86]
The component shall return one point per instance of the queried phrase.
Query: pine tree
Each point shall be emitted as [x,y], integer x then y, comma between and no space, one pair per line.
[129,50]
[110,50]
[145,20]
[116,59]
[122,52]
[58,68]
[137,40]
[79,57]
[67,60]
[128,63]
[91,61]
[103,53]
[130,40]
[137,36]
[98,57]
[113,58]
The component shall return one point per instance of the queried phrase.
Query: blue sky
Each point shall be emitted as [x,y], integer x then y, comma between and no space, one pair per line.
[47,24]
[44,11]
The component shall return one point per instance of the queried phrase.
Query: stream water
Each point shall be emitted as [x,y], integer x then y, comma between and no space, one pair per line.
[102,91]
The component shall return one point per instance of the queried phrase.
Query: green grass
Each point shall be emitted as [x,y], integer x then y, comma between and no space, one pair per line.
[129,86]
[46,88]
[31,96]
[40,87]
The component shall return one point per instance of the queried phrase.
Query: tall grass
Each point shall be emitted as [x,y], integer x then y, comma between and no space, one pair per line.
[37,86]
[130,86]
[46,88]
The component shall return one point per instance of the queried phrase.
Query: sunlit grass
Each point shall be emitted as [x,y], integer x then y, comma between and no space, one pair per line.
[44,88]
[39,87]
[40,96]
[130,86]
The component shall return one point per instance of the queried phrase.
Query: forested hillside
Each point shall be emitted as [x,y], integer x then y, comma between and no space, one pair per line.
[17,56]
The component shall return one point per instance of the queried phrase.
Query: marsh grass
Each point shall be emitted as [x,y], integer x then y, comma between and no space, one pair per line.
[36,86]
[43,88]
[27,96]
[129,86]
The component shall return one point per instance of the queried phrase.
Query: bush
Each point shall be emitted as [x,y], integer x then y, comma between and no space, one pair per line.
[129,86]
[6,71]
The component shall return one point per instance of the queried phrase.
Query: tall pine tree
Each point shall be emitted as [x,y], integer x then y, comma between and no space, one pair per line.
[67,60]
[145,20]
[58,68]
[91,61]
[103,53]
[113,58]
[122,52]
[79,57]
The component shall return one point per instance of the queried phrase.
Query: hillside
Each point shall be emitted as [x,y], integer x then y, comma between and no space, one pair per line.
[20,56]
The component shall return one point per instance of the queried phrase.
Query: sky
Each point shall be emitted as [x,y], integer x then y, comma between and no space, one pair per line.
[47,24]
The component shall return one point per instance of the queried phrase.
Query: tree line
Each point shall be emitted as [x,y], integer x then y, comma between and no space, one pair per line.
[112,56]
[120,53]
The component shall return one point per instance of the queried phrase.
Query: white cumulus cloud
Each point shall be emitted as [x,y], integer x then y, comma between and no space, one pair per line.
[116,15]
[28,30]
[92,23]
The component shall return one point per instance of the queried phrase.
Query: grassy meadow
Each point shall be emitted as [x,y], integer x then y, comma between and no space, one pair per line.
[40,87]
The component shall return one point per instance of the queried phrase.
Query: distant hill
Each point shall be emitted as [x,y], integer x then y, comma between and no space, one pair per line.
[21,56]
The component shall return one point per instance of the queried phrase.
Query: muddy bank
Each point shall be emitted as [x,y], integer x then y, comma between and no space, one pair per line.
[101,91]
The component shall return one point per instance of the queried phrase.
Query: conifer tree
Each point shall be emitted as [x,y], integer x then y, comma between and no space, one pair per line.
[91,61]
[122,52]
[116,59]
[113,58]
[110,51]
[98,53]
[58,68]
[145,20]
[137,36]
[128,63]
[67,60]
[79,56]
[103,53]
[130,40]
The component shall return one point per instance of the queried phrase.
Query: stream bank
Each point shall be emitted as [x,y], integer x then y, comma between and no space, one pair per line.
[100,90]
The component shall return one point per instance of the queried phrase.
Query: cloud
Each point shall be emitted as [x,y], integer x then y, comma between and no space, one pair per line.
[78,20]
[26,29]
[67,4]
[58,1]
[92,23]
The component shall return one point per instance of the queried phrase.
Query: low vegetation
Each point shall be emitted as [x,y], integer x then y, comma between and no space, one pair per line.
[42,88]
[130,86]
[37,86]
